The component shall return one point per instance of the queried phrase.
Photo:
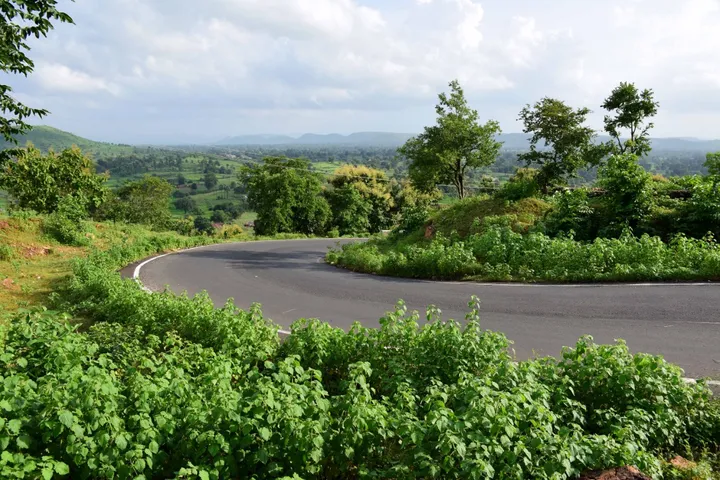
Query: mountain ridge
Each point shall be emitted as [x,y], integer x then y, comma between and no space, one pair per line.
[45,137]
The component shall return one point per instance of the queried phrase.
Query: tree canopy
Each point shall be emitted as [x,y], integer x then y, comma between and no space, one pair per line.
[286,195]
[560,144]
[39,182]
[20,20]
[445,152]
[145,201]
[630,110]
[368,207]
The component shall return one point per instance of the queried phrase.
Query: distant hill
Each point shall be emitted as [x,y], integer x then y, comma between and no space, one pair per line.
[357,139]
[511,141]
[44,138]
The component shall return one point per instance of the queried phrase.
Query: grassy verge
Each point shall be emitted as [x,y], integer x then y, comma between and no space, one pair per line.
[490,240]
[33,265]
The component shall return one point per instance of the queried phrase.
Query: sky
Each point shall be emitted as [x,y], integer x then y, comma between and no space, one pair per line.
[184,71]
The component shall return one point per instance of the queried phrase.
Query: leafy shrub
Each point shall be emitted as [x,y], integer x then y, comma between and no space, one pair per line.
[523,184]
[571,212]
[230,231]
[179,389]
[500,253]
[203,225]
[628,199]
[412,218]
[7,253]
[66,224]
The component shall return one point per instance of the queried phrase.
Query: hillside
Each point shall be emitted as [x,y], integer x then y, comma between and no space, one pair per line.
[511,141]
[44,138]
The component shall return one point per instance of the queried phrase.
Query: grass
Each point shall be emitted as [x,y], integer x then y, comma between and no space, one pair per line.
[37,264]
[460,215]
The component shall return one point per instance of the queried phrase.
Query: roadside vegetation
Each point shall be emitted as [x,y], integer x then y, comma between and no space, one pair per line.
[99,379]
[628,226]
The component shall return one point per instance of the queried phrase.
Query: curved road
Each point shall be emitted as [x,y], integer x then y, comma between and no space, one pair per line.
[291,281]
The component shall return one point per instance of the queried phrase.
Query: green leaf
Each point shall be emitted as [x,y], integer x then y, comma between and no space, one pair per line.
[66,418]
[22,362]
[265,433]
[62,468]
[14,426]
[47,473]
[204,475]
[23,441]
[121,442]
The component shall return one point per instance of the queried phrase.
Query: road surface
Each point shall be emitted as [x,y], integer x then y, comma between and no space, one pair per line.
[291,281]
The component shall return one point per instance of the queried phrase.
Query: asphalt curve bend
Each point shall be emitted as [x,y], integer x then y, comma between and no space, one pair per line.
[291,280]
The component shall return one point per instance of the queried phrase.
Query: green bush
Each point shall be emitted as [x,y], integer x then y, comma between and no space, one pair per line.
[166,386]
[7,253]
[523,184]
[66,223]
[571,212]
[499,253]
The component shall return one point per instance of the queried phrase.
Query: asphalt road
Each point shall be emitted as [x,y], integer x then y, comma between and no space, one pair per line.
[291,281]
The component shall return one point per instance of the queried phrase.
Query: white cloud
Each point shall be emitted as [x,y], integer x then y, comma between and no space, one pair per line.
[380,59]
[60,78]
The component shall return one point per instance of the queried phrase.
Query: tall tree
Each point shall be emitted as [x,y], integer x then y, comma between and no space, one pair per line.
[20,20]
[287,196]
[210,180]
[630,109]
[567,144]
[373,191]
[458,143]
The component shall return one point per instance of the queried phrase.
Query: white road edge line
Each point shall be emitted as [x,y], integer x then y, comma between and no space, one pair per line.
[136,277]
[136,273]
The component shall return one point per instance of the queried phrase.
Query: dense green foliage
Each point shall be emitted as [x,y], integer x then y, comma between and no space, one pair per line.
[286,196]
[163,386]
[560,144]
[361,200]
[629,109]
[145,201]
[499,253]
[458,143]
[40,181]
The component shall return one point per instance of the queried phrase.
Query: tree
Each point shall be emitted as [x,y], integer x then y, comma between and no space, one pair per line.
[194,187]
[181,180]
[458,143]
[219,216]
[287,196]
[203,225]
[145,201]
[567,143]
[350,210]
[630,109]
[39,182]
[210,180]
[186,204]
[20,20]
[372,198]
[712,163]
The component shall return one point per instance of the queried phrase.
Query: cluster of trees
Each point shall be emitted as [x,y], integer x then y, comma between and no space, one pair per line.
[563,147]
[66,188]
[561,144]
[288,196]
